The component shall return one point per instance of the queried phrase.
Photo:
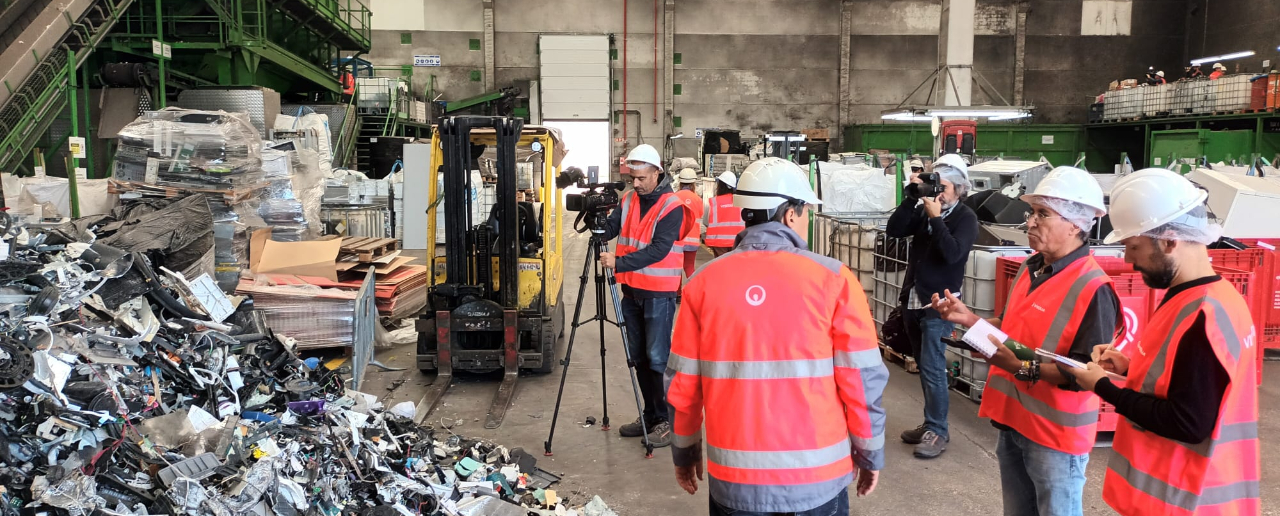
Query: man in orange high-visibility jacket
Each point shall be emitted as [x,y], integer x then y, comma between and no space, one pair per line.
[1061,301]
[688,194]
[648,260]
[776,352]
[723,219]
[1188,443]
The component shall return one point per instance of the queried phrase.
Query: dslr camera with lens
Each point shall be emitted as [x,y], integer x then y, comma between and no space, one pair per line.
[930,185]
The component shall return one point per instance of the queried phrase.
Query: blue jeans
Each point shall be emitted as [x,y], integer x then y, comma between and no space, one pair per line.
[649,323]
[838,506]
[933,370]
[1037,480]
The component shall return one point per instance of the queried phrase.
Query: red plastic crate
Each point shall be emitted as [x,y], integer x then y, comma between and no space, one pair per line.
[1006,270]
[1267,319]
[1136,305]
[1243,282]
[1258,93]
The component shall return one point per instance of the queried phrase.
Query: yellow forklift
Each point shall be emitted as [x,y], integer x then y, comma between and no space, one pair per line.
[496,299]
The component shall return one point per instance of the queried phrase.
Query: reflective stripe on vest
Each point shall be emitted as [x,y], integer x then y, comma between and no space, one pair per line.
[790,459]
[637,234]
[1059,419]
[1149,474]
[725,222]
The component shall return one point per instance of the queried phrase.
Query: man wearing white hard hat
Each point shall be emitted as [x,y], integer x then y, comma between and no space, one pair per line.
[723,219]
[688,194]
[1188,440]
[648,260]
[1061,301]
[943,230]
[1218,71]
[775,351]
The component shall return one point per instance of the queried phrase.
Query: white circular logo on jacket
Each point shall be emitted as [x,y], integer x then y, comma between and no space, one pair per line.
[755,295]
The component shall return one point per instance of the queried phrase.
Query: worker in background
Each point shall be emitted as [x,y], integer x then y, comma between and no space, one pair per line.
[944,230]
[688,194]
[1218,71]
[1193,72]
[724,220]
[916,165]
[1160,78]
[648,260]
[348,85]
[1152,79]
[1188,442]
[1061,301]
[782,365]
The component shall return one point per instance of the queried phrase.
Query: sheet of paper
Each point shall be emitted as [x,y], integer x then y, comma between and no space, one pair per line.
[1071,362]
[200,420]
[977,337]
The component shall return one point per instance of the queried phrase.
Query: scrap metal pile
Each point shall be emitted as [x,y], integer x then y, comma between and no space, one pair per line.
[127,389]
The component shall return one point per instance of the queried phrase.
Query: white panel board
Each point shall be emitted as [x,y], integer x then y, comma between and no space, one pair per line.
[1106,17]
[574,77]
[401,15]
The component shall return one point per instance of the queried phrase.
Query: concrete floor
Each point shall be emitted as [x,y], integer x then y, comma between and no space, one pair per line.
[963,481]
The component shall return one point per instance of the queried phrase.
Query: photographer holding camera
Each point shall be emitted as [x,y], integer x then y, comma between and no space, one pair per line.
[649,260]
[944,230]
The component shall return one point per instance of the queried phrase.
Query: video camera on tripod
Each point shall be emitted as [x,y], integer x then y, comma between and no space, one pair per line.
[593,205]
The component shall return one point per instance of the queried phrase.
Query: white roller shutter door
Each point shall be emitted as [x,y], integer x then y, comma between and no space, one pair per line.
[574,77]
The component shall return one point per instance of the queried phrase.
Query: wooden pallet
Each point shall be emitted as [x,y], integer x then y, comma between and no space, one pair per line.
[367,248]
[230,196]
[905,362]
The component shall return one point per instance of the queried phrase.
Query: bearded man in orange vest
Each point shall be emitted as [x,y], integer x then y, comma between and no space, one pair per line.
[1061,301]
[649,260]
[776,352]
[1188,443]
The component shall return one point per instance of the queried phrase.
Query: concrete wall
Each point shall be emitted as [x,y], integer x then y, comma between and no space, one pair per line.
[1220,27]
[758,65]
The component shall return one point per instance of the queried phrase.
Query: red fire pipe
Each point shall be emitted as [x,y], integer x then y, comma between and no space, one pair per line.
[655,61]
[625,135]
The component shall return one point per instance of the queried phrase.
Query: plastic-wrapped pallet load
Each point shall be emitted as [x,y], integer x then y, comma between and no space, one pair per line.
[856,188]
[180,147]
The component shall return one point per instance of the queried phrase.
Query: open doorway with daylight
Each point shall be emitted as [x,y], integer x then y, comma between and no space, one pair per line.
[588,145]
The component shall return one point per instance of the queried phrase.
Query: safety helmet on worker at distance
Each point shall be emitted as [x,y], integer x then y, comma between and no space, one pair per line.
[727,177]
[769,182]
[1160,73]
[1150,198]
[645,153]
[687,176]
[954,161]
[915,163]
[1218,66]
[1070,184]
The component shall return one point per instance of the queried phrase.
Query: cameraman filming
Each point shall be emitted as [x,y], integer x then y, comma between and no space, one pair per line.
[944,231]
[648,261]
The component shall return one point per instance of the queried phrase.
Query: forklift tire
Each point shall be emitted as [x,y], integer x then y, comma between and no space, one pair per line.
[426,346]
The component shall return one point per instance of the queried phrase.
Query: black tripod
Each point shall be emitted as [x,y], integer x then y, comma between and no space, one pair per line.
[597,246]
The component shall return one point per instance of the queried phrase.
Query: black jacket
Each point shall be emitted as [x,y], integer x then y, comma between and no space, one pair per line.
[936,261]
[665,234]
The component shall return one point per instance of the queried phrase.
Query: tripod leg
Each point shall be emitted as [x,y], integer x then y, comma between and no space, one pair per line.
[631,364]
[568,351]
[604,380]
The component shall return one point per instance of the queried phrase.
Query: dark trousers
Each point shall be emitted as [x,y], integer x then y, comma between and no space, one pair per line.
[649,323]
[838,506]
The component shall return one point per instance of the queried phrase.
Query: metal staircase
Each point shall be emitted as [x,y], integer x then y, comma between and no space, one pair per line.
[28,107]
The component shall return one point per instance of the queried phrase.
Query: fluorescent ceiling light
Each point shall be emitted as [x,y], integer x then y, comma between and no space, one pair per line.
[924,113]
[906,116]
[1223,57]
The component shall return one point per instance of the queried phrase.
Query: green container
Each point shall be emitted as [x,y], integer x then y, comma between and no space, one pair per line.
[1060,144]
[1196,143]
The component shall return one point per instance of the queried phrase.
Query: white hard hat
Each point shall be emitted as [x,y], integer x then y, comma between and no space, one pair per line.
[1160,73]
[1218,66]
[771,181]
[728,178]
[1148,199]
[1070,184]
[688,175]
[915,163]
[953,161]
[645,153]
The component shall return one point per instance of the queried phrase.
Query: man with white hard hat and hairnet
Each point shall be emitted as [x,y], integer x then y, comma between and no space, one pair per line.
[943,231]
[1061,301]
[1188,441]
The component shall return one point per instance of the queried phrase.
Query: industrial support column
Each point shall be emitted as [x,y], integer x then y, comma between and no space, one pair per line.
[668,65]
[488,46]
[846,87]
[955,53]
[162,95]
[1020,52]
[72,93]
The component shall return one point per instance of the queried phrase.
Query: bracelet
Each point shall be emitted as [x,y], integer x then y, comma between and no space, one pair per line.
[1030,371]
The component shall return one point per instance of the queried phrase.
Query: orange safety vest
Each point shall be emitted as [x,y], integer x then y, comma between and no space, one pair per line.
[726,222]
[637,233]
[785,371]
[348,83]
[1047,318]
[1152,475]
[693,206]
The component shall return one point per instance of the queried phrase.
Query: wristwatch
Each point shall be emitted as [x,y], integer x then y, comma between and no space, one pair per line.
[1029,372]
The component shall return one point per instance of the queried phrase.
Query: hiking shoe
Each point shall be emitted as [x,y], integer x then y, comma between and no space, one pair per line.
[931,445]
[632,429]
[913,435]
[660,435]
